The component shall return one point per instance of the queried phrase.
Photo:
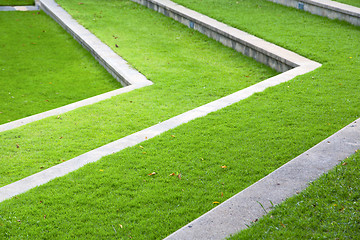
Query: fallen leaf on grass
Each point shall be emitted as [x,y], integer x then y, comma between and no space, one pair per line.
[179,176]
[121,225]
[44,216]
[223,166]
[172,136]
[17,146]
[141,147]
[173,174]
[101,170]
[216,202]
[222,194]
[116,45]
[283,225]
[80,3]
[345,163]
[151,174]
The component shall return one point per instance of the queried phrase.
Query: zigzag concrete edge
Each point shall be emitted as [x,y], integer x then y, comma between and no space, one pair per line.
[325,8]
[113,63]
[71,165]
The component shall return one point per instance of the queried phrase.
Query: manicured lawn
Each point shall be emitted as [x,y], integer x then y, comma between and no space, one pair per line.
[327,209]
[42,67]
[16,2]
[188,69]
[355,3]
[116,197]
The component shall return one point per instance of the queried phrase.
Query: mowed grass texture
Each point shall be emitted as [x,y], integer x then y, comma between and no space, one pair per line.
[188,70]
[355,3]
[16,2]
[327,209]
[42,67]
[117,198]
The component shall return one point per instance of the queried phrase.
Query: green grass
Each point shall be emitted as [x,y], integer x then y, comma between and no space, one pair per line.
[16,2]
[188,70]
[43,68]
[327,209]
[252,138]
[355,3]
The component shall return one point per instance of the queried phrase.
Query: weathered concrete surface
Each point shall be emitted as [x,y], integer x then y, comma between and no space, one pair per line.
[234,214]
[326,8]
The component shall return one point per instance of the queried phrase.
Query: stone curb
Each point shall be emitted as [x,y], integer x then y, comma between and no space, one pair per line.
[241,210]
[262,51]
[112,62]
[18,8]
[325,8]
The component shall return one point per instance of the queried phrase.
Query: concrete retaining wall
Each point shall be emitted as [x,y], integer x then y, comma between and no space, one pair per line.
[326,8]
[262,51]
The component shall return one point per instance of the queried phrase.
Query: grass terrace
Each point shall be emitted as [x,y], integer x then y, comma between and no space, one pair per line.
[212,158]
[355,3]
[188,70]
[42,67]
[327,209]
[16,2]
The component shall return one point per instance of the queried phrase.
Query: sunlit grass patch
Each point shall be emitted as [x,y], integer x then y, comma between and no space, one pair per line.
[16,2]
[116,197]
[42,67]
[188,70]
[327,209]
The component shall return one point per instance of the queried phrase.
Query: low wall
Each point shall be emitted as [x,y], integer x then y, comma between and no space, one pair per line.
[325,8]
[276,57]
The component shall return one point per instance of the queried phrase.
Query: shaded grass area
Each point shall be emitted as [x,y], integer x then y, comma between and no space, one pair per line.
[117,198]
[355,3]
[42,67]
[327,209]
[16,2]
[188,70]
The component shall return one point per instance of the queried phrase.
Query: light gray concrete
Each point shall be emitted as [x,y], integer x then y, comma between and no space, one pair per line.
[326,8]
[116,65]
[234,214]
[270,54]
[19,8]
[62,169]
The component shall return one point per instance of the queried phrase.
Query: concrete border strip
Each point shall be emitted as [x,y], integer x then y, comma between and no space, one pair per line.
[112,62]
[325,8]
[240,210]
[18,8]
[62,169]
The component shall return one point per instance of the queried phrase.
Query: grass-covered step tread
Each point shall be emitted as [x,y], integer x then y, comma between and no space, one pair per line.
[16,2]
[42,67]
[327,209]
[188,70]
[355,3]
[116,197]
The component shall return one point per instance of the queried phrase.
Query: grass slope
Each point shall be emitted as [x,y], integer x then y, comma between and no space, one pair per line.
[188,69]
[42,67]
[355,3]
[327,209]
[116,198]
[16,2]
